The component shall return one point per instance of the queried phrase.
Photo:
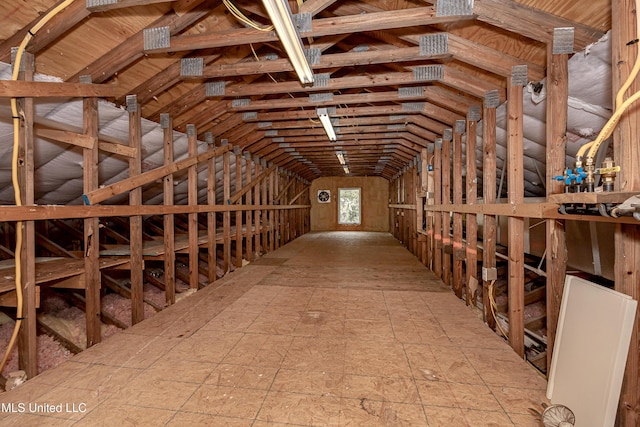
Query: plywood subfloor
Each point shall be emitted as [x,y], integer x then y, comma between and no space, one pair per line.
[333,329]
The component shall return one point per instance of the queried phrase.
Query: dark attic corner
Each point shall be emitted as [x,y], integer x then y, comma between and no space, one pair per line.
[319,212]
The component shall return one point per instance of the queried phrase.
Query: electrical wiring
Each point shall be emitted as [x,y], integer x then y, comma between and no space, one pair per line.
[14,173]
[240,16]
[494,308]
[620,106]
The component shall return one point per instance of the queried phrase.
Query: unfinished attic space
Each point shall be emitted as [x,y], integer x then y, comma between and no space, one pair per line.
[319,212]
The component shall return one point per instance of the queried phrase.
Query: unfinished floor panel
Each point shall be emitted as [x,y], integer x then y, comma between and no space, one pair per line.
[337,328]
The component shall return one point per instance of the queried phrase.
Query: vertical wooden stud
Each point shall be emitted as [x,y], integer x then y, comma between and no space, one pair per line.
[91,226]
[472,198]
[627,236]
[226,216]
[515,192]
[446,200]
[489,198]
[192,176]
[437,168]
[556,255]
[27,338]
[248,213]
[135,221]
[238,187]
[457,216]
[212,226]
[166,122]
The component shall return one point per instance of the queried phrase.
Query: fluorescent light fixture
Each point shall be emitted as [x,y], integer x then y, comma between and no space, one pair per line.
[280,15]
[326,123]
[345,168]
[340,157]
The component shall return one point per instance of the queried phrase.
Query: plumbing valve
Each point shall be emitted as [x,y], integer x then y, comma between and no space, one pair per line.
[608,173]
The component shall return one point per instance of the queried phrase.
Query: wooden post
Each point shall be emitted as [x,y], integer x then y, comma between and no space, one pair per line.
[276,220]
[257,215]
[627,237]
[491,102]
[446,200]
[248,214]
[192,196]
[226,216]
[265,225]
[430,201]
[515,191]
[238,187]
[556,255]
[168,220]
[272,244]
[457,216]
[135,221]
[472,198]
[27,339]
[91,225]
[212,226]
[421,189]
[423,222]
[437,173]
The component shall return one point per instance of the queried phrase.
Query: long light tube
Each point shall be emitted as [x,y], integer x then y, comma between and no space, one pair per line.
[326,123]
[340,157]
[345,168]
[280,15]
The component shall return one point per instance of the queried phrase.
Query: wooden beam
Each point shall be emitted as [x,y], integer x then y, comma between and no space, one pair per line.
[446,218]
[257,213]
[401,18]
[248,221]
[135,221]
[119,4]
[556,253]
[226,194]
[168,220]
[300,194]
[332,60]
[272,188]
[242,191]
[238,222]
[471,219]
[489,199]
[21,89]
[515,191]
[192,178]
[67,137]
[437,168]
[457,217]
[627,237]
[137,181]
[265,201]
[212,240]
[27,338]
[532,23]
[452,77]
[91,227]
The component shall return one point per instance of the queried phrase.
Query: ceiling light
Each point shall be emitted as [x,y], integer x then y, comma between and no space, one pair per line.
[326,123]
[346,169]
[280,15]
[340,157]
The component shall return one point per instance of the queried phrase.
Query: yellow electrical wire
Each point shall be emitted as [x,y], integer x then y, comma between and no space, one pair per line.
[620,106]
[14,173]
[240,16]
[494,308]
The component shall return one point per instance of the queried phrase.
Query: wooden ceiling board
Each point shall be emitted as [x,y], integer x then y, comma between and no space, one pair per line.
[594,13]
[15,15]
